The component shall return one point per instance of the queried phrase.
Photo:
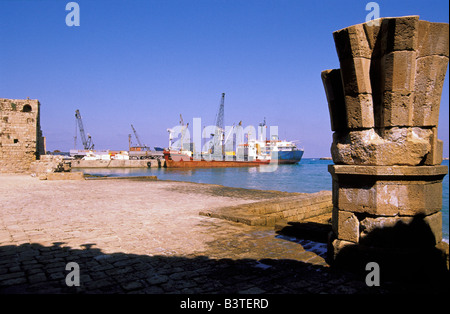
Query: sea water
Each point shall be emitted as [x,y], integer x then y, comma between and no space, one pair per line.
[308,176]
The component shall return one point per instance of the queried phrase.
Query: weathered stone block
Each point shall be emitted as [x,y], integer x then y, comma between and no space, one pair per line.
[370,224]
[351,42]
[397,109]
[428,89]
[401,231]
[65,176]
[356,76]
[396,146]
[345,225]
[332,83]
[433,39]
[400,33]
[435,156]
[359,111]
[398,71]
[434,222]
[372,31]
[396,191]
[337,248]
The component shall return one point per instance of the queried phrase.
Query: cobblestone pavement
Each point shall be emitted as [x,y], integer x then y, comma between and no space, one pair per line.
[147,237]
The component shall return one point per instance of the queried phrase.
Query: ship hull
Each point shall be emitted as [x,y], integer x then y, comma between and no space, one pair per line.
[174,160]
[212,164]
[289,157]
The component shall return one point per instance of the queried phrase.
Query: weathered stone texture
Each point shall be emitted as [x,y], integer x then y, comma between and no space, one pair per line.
[399,71]
[48,164]
[401,33]
[21,140]
[433,39]
[393,191]
[335,95]
[387,178]
[345,225]
[389,231]
[428,89]
[396,146]
[63,176]
[269,212]
[391,76]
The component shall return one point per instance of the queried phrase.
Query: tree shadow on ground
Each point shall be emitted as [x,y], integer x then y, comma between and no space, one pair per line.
[35,269]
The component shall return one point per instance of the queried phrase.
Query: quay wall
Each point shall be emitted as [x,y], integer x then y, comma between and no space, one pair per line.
[152,163]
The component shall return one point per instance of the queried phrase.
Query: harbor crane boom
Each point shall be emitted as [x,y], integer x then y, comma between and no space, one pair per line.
[137,137]
[87,143]
[219,119]
[220,128]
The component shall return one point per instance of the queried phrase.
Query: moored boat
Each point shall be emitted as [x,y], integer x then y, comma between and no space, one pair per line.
[286,152]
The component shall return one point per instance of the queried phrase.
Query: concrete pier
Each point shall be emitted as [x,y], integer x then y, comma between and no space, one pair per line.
[145,163]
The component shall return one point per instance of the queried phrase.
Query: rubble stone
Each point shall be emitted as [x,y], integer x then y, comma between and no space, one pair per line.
[396,146]
[47,164]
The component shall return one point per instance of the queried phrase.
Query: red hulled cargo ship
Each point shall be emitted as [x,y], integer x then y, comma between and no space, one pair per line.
[183,159]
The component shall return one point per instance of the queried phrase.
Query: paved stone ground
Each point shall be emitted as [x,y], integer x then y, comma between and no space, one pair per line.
[140,236]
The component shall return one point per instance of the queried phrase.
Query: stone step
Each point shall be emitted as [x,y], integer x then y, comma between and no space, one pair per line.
[269,212]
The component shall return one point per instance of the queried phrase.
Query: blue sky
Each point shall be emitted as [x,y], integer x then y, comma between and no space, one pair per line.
[145,62]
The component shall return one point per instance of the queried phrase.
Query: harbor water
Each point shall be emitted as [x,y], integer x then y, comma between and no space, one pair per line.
[308,176]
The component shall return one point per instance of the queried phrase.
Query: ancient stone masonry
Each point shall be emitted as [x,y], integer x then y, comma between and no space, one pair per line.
[384,109]
[21,140]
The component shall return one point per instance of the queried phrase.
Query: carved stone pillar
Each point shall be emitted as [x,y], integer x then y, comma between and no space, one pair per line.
[384,109]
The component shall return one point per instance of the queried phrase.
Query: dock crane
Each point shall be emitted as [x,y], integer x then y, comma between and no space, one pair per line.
[138,140]
[220,115]
[87,143]
[220,128]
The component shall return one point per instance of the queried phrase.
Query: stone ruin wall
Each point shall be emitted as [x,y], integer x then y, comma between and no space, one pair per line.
[21,140]
[384,109]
